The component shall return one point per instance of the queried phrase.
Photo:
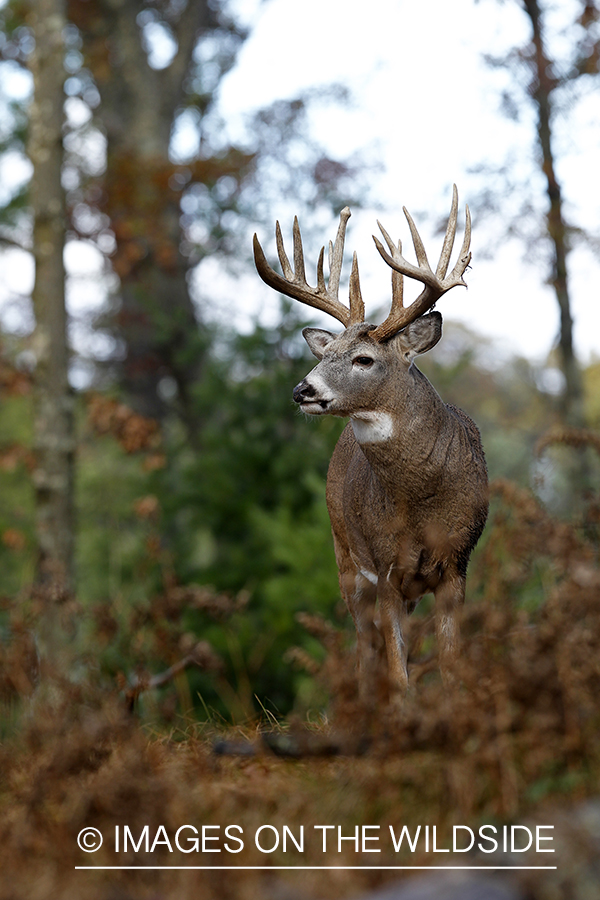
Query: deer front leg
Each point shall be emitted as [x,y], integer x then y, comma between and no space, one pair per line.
[449,599]
[393,615]
[360,594]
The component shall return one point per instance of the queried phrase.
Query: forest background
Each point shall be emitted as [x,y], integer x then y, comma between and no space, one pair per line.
[163,531]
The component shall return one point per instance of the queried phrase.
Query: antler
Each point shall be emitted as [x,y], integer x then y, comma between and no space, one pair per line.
[435,284]
[293,282]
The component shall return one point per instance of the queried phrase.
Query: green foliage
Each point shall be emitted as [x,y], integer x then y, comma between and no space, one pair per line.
[112,560]
[247,510]
[239,509]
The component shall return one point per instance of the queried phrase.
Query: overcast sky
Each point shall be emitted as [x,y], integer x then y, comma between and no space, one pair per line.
[428,108]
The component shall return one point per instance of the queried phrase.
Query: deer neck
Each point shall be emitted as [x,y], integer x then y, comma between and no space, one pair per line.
[408,438]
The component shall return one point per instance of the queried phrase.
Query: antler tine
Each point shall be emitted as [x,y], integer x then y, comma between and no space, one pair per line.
[456,275]
[422,272]
[442,266]
[417,242]
[336,253]
[357,306]
[435,284]
[397,277]
[321,286]
[284,261]
[389,241]
[293,282]
[401,316]
[299,270]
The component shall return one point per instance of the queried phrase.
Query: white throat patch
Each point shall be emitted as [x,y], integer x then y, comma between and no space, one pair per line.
[372,427]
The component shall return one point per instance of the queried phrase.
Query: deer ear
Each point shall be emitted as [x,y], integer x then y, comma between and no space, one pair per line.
[420,336]
[318,340]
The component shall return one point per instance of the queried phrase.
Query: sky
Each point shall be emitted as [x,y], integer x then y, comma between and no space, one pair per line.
[426,109]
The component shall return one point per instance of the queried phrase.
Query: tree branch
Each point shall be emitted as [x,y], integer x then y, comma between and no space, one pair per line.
[186,30]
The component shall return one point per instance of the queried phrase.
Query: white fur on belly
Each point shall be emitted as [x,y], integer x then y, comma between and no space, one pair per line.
[372,427]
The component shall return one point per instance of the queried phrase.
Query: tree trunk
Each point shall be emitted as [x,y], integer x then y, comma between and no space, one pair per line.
[53,419]
[543,85]
[156,321]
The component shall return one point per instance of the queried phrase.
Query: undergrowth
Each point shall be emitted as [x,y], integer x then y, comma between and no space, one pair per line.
[514,741]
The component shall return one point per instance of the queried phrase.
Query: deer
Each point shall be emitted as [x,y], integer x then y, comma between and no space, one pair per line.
[407,487]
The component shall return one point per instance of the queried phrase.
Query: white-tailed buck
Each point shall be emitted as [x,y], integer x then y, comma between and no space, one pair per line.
[407,484]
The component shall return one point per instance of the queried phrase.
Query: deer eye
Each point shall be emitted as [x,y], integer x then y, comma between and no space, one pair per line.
[364,361]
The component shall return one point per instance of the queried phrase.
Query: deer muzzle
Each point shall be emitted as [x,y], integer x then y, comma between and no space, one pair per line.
[306,395]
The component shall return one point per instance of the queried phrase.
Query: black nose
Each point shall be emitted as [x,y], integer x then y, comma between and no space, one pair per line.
[303,391]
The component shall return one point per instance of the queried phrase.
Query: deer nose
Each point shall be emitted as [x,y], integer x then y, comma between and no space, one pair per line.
[303,391]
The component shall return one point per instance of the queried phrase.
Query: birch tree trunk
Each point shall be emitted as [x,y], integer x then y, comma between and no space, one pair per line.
[53,417]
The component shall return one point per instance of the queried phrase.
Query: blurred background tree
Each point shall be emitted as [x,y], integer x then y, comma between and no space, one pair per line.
[195,477]
[133,75]
[53,418]
[552,73]
[140,67]
[148,71]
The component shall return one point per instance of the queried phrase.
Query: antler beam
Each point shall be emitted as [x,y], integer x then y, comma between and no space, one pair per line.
[436,283]
[293,281]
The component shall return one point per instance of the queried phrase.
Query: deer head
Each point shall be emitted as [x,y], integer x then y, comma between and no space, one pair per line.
[356,373]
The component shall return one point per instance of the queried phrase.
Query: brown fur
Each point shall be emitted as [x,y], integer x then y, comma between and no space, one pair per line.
[407,509]
[407,483]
